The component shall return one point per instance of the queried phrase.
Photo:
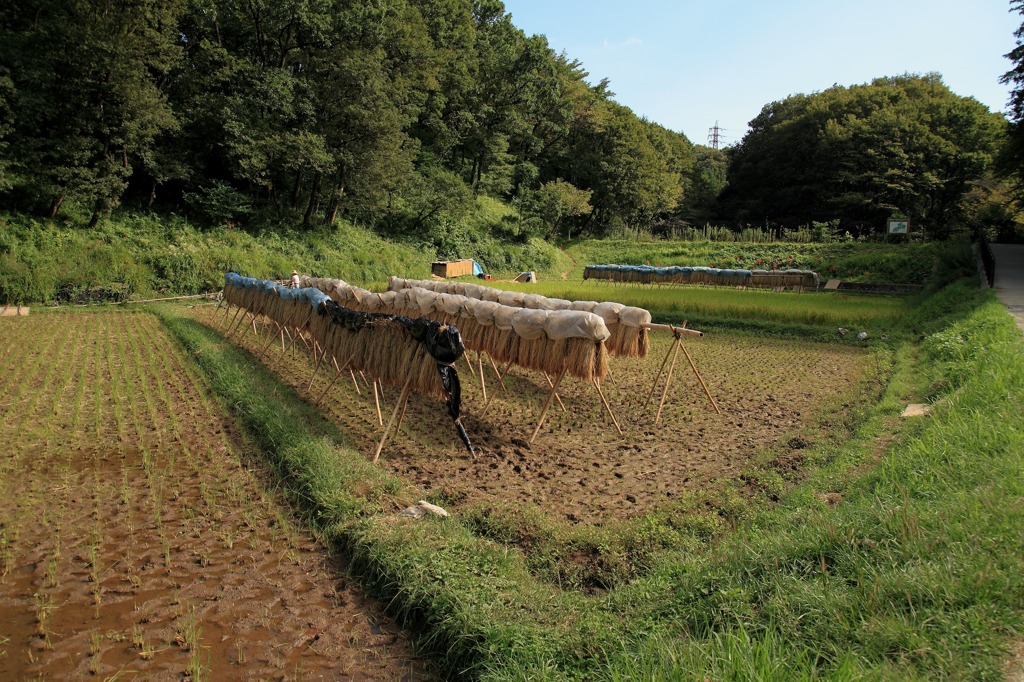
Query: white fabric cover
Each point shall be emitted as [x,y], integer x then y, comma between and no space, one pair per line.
[484,312]
[529,324]
[587,306]
[503,316]
[634,317]
[566,324]
[609,311]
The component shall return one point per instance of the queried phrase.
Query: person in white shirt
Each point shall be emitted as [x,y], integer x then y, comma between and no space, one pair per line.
[295,279]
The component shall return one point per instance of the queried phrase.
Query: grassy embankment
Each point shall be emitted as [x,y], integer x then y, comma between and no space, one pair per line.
[143,256]
[915,572]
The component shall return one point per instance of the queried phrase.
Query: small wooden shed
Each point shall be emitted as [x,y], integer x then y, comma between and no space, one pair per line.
[451,268]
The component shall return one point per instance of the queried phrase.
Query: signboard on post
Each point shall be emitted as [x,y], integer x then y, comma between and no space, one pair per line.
[897,226]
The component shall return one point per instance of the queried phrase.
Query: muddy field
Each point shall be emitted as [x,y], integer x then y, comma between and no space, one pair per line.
[773,394]
[137,539]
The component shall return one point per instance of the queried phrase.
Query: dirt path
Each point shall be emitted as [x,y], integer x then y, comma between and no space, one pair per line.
[138,541]
[579,469]
[1009,284]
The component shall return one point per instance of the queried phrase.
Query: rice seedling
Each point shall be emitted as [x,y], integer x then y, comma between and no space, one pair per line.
[95,649]
[44,608]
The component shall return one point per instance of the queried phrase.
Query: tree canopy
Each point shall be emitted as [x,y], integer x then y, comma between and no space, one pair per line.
[387,111]
[902,145]
[396,113]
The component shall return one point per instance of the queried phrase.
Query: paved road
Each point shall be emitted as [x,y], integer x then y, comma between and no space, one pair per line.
[1010,278]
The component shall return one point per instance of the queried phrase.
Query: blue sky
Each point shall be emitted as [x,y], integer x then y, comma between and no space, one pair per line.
[687,64]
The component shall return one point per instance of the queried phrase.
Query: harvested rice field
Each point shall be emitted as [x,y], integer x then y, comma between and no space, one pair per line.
[776,398]
[137,536]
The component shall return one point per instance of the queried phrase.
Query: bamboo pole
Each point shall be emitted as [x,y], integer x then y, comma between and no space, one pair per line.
[238,309]
[469,365]
[608,407]
[338,374]
[501,377]
[315,368]
[699,377]
[376,401]
[483,384]
[297,335]
[242,319]
[403,396]
[547,405]
[329,386]
[282,327]
[401,417]
[654,385]
[557,397]
[668,381]
[673,329]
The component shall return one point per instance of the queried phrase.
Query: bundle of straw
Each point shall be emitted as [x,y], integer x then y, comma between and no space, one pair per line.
[550,341]
[628,335]
[394,350]
[645,274]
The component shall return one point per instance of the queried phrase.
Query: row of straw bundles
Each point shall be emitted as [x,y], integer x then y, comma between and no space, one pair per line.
[390,348]
[381,346]
[550,341]
[292,308]
[645,274]
[625,323]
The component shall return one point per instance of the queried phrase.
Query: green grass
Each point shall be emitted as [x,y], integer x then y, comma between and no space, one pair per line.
[856,262]
[916,574]
[876,314]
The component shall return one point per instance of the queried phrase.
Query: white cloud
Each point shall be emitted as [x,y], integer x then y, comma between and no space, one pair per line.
[628,42]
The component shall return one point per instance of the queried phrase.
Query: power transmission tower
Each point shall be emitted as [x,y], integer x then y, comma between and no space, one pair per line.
[715,136]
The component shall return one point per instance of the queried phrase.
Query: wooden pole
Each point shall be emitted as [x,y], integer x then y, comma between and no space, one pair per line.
[607,406]
[401,417]
[654,384]
[483,384]
[673,329]
[234,317]
[338,374]
[282,327]
[315,368]
[557,397]
[298,333]
[501,377]
[329,386]
[547,404]
[376,401]
[699,377]
[469,365]
[401,399]
[668,380]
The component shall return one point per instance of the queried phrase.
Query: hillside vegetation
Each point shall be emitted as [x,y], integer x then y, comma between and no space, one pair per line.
[144,256]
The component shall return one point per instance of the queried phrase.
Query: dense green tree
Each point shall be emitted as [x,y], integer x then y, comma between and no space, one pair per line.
[84,93]
[1012,156]
[633,170]
[707,180]
[903,145]
[553,206]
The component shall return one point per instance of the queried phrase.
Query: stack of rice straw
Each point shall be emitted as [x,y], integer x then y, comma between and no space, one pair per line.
[645,274]
[381,346]
[625,323]
[549,341]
